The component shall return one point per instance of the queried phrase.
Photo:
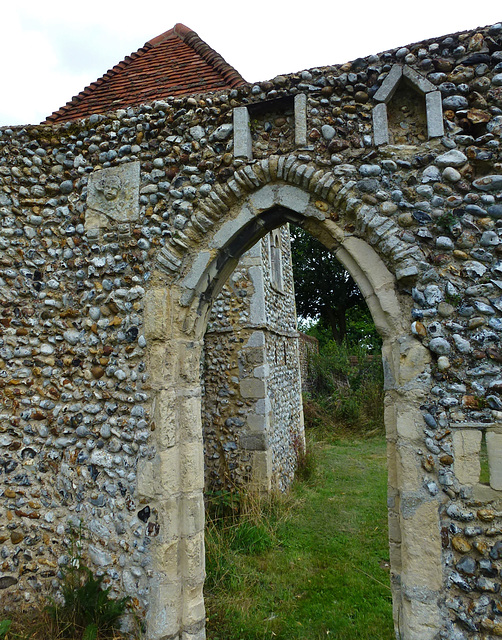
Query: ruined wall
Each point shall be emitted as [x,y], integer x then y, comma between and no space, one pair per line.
[252,390]
[308,347]
[98,217]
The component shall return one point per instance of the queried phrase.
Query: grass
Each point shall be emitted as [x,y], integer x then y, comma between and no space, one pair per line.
[323,570]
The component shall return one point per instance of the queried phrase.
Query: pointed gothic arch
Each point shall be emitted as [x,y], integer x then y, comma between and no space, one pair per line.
[175,346]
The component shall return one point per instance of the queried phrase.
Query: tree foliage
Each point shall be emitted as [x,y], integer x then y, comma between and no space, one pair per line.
[324,290]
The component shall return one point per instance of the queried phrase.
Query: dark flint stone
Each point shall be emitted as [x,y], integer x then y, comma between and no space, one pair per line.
[144,514]
[430,421]
[487,568]
[368,185]
[93,471]
[476,58]
[7,581]
[495,211]
[421,217]
[496,551]
[467,566]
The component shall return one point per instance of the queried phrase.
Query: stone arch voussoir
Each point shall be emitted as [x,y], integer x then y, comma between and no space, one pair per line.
[328,195]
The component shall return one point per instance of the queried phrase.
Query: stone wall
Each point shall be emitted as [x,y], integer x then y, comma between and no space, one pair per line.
[116,234]
[308,347]
[252,401]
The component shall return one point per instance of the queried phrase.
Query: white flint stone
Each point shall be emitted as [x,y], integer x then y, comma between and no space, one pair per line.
[451,175]
[445,243]
[463,345]
[441,346]
[433,294]
[453,158]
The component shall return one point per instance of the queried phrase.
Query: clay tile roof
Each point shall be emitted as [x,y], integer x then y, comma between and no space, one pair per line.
[175,63]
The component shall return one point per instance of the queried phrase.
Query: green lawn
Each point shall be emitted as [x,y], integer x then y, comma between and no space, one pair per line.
[322,566]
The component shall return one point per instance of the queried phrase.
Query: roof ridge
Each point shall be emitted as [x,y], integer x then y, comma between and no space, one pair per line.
[181,32]
[193,40]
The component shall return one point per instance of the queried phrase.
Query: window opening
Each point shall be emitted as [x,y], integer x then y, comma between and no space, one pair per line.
[275,251]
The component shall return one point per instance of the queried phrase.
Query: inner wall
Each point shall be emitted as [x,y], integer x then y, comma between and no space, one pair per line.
[252,406]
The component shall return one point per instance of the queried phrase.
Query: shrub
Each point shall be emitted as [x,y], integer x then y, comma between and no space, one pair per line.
[347,390]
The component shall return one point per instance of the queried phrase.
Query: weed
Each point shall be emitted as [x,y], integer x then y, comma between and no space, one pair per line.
[86,610]
[305,458]
[346,392]
[87,606]
[223,503]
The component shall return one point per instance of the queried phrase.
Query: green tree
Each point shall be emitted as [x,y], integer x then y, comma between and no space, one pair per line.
[323,288]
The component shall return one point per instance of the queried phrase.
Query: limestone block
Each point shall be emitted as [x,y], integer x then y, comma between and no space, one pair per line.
[408,422]
[252,388]
[421,547]
[242,134]
[164,418]
[192,466]
[231,228]
[390,416]
[420,620]
[434,107]
[418,80]
[146,479]
[467,445]
[369,262]
[394,528]
[409,470]
[256,339]
[494,448]
[169,521]
[257,423]
[165,608]
[392,463]
[389,85]
[380,125]
[301,120]
[263,199]
[189,423]
[395,558]
[261,479]
[254,442]
[189,355]
[161,365]
[169,470]
[192,518]
[415,359]
[166,557]
[157,314]
[293,198]
[199,634]
[193,606]
[193,558]
[113,193]
[200,263]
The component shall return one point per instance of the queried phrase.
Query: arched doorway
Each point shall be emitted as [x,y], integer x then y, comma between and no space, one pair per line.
[176,328]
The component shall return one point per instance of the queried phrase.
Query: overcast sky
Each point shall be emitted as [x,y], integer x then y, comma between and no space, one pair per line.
[50,50]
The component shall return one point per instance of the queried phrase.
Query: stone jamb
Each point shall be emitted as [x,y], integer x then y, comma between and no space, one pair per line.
[405,360]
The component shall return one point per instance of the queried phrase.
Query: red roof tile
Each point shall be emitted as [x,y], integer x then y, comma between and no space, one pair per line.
[175,63]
